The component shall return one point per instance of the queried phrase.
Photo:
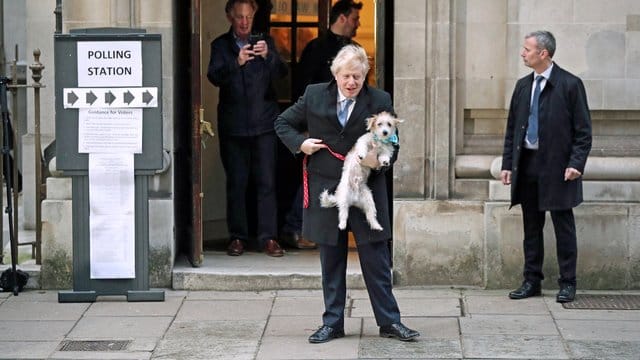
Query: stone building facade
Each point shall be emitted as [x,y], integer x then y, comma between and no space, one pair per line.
[455,65]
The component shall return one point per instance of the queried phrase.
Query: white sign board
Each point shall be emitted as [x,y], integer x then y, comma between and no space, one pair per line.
[112,216]
[110,131]
[109,63]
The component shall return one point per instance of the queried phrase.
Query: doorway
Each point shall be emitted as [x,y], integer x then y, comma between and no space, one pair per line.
[200,196]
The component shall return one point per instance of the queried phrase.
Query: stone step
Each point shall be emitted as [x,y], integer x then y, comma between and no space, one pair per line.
[255,271]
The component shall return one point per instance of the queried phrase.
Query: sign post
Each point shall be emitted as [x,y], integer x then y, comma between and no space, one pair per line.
[109,140]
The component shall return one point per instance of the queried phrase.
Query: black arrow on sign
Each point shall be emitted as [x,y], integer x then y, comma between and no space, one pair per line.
[72,98]
[147,97]
[128,97]
[91,98]
[109,97]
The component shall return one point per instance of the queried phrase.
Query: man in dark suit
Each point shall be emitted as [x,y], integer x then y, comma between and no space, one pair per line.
[243,70]
[547,141]
[312,126]
[315,61]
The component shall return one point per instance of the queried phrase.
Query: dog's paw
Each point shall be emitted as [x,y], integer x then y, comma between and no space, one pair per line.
[376,227]
[342,225]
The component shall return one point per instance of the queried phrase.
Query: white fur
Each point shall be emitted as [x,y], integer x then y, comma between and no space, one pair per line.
[352,189]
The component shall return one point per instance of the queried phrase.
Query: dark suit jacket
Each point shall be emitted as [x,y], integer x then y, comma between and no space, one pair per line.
[564,137]
[315,113]
[247,102]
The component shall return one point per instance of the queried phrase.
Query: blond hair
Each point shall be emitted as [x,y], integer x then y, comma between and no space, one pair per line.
[351,57]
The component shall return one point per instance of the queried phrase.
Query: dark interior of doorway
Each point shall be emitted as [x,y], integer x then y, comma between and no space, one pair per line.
[182,124]
[183,148]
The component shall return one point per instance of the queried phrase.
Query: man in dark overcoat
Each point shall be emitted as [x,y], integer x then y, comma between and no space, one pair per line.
[547,141]
[312,126]
[244,70]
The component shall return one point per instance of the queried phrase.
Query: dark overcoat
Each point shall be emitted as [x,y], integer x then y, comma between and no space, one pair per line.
[247,103]
[564,137]
[315,113]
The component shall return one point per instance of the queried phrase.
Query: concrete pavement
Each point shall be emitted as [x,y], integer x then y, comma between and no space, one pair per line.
[455,324]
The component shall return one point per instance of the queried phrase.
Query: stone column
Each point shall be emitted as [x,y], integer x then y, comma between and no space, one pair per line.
[423,96]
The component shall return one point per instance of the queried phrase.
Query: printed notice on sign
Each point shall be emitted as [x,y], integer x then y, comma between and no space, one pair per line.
[109,63]
[112,216]
[110,131]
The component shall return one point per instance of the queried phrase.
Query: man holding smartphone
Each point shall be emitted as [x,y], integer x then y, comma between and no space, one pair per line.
[243,66]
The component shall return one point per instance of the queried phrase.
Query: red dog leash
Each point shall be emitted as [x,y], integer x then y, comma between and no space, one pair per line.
[305,180]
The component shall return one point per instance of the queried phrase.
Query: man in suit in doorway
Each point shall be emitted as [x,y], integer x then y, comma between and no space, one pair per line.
[547,141]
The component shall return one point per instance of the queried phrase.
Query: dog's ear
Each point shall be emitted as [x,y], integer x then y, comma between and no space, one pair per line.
[370,121]
[397,121]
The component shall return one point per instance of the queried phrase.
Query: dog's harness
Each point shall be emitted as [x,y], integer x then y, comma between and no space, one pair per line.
[305,176]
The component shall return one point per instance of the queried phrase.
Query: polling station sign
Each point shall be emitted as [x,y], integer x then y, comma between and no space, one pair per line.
[109,63]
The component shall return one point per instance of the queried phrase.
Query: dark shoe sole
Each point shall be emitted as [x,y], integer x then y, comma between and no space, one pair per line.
[563,300]
[387,335]
[312,341]
[519,297]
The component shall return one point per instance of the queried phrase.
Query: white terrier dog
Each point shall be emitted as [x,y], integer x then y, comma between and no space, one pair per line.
[352,189]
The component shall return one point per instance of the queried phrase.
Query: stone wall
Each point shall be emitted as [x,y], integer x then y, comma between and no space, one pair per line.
[451,222]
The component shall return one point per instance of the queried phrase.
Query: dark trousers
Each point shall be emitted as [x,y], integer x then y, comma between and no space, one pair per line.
[376,269]
[247,158]
[533,220]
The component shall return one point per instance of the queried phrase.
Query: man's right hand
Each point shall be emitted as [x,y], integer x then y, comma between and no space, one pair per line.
[505,176]
[245,55]
[311,145]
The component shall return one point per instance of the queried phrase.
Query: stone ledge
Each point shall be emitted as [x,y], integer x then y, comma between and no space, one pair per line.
[593,191]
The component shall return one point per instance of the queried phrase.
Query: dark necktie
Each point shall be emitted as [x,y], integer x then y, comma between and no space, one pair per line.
[532,128]
[344,110]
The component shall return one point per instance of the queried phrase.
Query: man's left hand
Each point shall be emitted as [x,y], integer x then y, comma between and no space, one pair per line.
[571,174]
[261,48]
[371,160]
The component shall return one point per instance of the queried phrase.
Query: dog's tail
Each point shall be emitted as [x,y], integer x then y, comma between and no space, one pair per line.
[327,200]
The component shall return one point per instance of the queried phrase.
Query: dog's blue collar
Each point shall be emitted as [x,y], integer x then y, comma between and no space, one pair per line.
[393,139]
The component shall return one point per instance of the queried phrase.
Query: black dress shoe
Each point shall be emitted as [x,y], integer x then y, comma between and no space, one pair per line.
[324,334]
[398,331]
[527,289]
[566,294]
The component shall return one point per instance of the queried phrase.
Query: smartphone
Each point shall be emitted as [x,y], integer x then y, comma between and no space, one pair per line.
[254,38]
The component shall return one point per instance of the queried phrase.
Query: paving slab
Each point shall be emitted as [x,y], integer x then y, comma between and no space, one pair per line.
[298,347]
[230,295]
[412,292]
[377,347]
[559,312]
[298,306]
[478,304]
[225,310]
[434,328]
[302,293]
[139,329]
[210,340]
[605,350]
[168,307]
[305,325]
[102,355]
[508,324]
[41,310]
[412,307]
[607,330]
[34,295]
[27,349]
[513,347]
[20,330]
